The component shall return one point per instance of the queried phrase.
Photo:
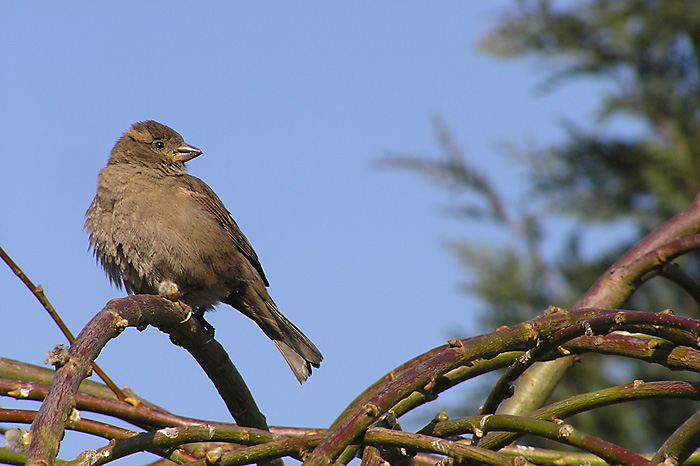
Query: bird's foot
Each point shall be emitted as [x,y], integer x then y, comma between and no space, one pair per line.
[209,328]
[170,290]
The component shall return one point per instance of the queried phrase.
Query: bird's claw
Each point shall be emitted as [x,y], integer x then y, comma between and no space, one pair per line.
[209,328]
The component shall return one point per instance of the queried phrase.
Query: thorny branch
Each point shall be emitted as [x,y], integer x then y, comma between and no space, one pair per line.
[660,338]
[38,292]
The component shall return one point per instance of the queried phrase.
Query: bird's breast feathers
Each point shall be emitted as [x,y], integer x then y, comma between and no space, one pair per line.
[159,226]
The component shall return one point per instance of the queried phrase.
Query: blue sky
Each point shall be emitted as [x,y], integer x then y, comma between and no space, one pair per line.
[292,104]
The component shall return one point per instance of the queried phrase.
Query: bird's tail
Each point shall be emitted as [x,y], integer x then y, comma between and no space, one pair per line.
[297,349]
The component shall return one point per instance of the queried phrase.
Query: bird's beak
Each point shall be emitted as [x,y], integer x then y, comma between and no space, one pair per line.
[185,152]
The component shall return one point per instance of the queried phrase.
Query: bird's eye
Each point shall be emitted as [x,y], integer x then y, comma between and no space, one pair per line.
[158,144]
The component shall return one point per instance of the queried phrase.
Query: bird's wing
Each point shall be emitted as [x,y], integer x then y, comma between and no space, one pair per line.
[208,199]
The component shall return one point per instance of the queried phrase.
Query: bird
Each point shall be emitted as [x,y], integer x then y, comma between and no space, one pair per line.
[155,229]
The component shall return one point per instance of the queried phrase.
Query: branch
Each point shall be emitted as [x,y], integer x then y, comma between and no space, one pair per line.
[170,437]
[669,355]
[681,444]
[93,428]
[597,325]
[38,292]
[297,447]
[370,391]
[87,426]
[675,273]
[135,311]
[562,433]
[142,414]
[545,457]
[545,333]
[609,291]
[576,404]
[615,285]
[22,371]
[423,376]
[380,436]
[452,378]
[371,457]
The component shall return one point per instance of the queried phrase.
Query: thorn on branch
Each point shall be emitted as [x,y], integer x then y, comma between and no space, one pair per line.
[554,309]
[20,392]
[132,401]
[73,418]
[214,456]
[119,323]
[455,343]
[371,410]
[565,431]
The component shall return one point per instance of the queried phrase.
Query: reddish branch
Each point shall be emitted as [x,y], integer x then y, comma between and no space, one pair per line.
[135,311]
[643,261]
[585,328]
[38,292]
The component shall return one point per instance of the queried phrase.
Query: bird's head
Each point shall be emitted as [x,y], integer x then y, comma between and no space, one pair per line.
[155,145]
